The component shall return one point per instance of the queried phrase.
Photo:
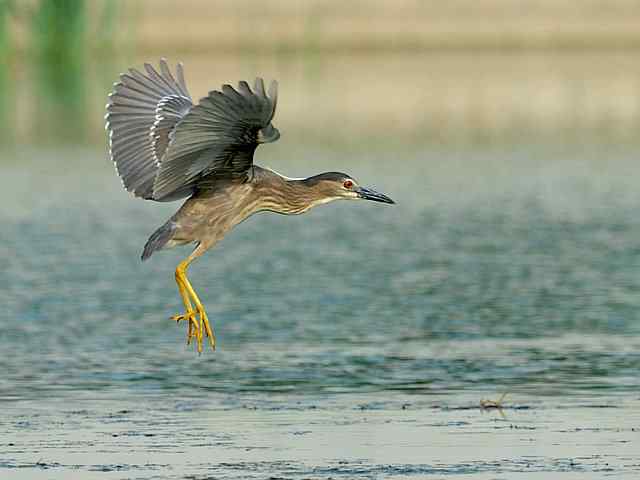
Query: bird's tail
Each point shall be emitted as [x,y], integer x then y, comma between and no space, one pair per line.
[158,239]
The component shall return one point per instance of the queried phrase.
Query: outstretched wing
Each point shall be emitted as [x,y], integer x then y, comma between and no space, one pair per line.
[141,113]
[217,137]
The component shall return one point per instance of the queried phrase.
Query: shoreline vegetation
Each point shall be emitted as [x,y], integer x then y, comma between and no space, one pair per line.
[470,73]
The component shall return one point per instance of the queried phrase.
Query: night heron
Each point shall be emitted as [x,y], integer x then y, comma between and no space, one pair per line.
[166,148]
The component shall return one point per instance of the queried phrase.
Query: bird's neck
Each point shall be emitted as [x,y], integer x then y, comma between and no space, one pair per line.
[289,196]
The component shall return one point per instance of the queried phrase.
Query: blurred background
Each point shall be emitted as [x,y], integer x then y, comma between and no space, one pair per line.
[410,71]
[507,133]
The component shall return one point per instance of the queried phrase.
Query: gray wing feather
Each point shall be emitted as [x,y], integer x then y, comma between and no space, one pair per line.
[141,113]
[216,137]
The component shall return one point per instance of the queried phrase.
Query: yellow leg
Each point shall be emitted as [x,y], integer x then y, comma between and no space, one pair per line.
[190,313]
[204,319]
[196,329]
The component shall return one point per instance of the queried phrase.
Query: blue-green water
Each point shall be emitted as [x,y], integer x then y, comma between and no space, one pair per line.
[354,341]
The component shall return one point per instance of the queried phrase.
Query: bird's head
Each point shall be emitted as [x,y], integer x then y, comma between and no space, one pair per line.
[336,185]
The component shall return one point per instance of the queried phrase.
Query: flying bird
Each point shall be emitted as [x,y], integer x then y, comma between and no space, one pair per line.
[167,148]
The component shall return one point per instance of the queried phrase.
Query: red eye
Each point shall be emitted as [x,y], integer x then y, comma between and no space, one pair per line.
[347,184]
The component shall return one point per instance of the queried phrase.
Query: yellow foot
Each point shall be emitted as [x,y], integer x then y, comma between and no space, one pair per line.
[194,327]
[197,329]
[204,325]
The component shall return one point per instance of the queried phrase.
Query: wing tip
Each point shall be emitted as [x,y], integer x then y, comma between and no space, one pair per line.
[273,97]
[273,89]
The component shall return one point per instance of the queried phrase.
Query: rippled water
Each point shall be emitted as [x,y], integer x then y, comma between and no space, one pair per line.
[354,341]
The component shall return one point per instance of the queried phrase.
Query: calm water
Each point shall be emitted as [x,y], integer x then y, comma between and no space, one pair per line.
[354,342]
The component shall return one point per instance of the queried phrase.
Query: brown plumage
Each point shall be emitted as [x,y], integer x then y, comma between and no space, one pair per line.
[165,148]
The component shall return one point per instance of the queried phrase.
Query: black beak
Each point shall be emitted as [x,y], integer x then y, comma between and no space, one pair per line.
[369,194]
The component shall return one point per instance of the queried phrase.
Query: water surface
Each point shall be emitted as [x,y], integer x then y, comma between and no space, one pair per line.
[354,342]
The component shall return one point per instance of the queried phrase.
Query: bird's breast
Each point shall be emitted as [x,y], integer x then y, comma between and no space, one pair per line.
[230,206]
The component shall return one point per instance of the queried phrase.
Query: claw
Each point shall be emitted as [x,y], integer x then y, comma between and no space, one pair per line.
[198,327]
[204,326]
[193,328]
[189,316]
